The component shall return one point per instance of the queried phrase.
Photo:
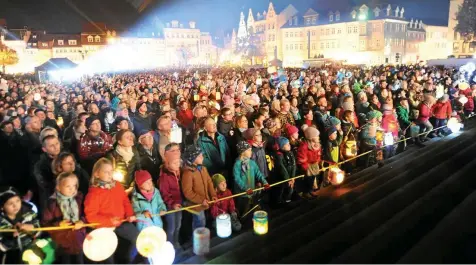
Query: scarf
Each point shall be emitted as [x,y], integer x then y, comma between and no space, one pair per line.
[68,206]
[125,153]
[103,184]
[148,195]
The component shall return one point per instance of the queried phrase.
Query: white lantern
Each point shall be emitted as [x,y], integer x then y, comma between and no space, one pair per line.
[201,241]
[388,139]
[100,244]
[118,176]
[165,256]
[150,241]
[223,225]
[454,125]
[176,135]
[336,176]
[463,99]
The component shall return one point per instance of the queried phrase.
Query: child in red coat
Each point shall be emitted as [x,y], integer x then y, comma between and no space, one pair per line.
[225,206]
[308,159]
[442,111]
[107,203]
[65,208]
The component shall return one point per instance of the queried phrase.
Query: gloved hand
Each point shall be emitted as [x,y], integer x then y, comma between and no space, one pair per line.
[249,191]
[267,187]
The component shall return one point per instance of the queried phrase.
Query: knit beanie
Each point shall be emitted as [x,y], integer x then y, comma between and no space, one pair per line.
[311,132]
[242,146]
[249,133]
[334,121]
[191,153]
[119,119]
[373,114]
[217,179]
[282,141]
[331,130]
[6,193]
[290,129]
[142,176]
[90,120]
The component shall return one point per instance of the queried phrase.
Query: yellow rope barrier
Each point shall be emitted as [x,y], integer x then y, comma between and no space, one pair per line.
[190,208]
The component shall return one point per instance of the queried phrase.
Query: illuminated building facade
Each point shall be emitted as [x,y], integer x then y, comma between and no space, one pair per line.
[361,35]
[460,46]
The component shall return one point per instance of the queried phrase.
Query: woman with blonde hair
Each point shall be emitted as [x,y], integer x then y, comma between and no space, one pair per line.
[65,162]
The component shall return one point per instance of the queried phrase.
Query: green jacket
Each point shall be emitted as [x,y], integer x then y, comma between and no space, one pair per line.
[245,181]
[403,117]
[215,155]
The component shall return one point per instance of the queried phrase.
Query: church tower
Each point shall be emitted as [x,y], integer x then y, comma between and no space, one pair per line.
[242,31]
[250,22]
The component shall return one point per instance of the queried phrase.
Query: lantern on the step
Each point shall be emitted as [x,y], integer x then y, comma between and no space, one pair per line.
[454,125]
[223,223]
[414,131]
[388,139]
[335,176]
[42,251]
[150,241]
[201,241]
[260,222]
[100,244]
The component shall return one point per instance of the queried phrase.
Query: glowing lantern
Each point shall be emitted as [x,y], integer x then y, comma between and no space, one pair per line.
[388,139]
[60,122]
[201,241]
[150,241]
[463,99]
[260,222]
[223,225]
[454,125]
[217,96]
[100,244]
[166,255]
[196,97]
[42,251]
[176,134]
[118,176]
[336,176]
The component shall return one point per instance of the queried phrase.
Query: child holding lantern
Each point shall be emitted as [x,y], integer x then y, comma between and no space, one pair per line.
[108,204]
[19,215]
[308,159]
[146,201]
[246,174]
[65,208]
[224,206]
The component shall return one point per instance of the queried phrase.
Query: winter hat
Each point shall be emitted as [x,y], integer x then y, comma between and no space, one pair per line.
[90,120]
[311,132]
[373,114]
[143,134]
[39,110]
[269,123]
[282,141]
[6,193]
[334,121]
[140,103]
[290,129]
[242,146]
[217,179]
[142,176]
[119,119]
[331,130]
[249,133]
[347,106]
[191,153]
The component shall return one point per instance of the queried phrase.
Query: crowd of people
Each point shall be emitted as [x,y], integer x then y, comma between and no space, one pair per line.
[122,150]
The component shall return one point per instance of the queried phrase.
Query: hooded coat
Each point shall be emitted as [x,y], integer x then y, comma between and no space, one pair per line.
[140,204]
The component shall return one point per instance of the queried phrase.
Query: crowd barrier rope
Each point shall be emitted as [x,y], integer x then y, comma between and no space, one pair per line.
[190,208]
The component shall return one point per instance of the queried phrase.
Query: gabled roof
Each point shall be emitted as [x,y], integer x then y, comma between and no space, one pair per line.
[310,12]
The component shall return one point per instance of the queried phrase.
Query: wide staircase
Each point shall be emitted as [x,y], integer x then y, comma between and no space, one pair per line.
[419,208]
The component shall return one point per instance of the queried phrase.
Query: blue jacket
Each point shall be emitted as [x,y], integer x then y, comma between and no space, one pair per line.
[215,156]
[140,205]
[247,181]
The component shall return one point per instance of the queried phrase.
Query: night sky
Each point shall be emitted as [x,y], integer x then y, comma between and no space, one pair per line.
[215,16]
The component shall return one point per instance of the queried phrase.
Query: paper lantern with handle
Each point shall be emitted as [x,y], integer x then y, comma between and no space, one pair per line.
[335,176]
[201,241]
[223,225]
[150,241]
[454,125]
[260,222]
[100,244]
[388,139]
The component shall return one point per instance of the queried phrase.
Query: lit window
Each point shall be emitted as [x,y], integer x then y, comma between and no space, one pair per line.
[97,39]
[90,39]
[61,42]
[72,42]
[339,31]
[295,46]
[44,44]
[331,18]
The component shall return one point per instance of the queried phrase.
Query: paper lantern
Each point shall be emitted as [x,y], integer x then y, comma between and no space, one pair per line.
[201,241]
[217,95]
[41,251]
[150,241]
[454,125]
[388,139]
[260,222]
[176,135]
[166,256]
[100,244]
[60,122]
[463,99]
[335,176]
[118,176]
[196,97]
[223,225]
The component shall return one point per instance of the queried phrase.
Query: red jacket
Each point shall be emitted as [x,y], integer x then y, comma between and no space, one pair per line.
[225,206]
[469,106]
[101,205]
[90,147]
[185,117]
[71,241]
[425,112]
[307,156]
[442,110]
[390,124]
[169,187]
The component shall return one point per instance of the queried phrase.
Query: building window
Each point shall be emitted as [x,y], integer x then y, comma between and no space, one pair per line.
[295,46]
[291,47]
[313,33]
[313,46]
[337,16]
[90,39]
[287,47]
[333,31]
[291,34]
[331,17]
[339,31]
[61,42]
[322,45]
[349,30]
[327,31]
[72,42]
[313,21]
[300,46]
[286,35]
[322,31]
[327,45]
[97,39]
[44,44]
[355,29]
[377,43]
[308,21]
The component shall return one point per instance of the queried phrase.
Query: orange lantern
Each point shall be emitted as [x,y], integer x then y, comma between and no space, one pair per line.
[335,176]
